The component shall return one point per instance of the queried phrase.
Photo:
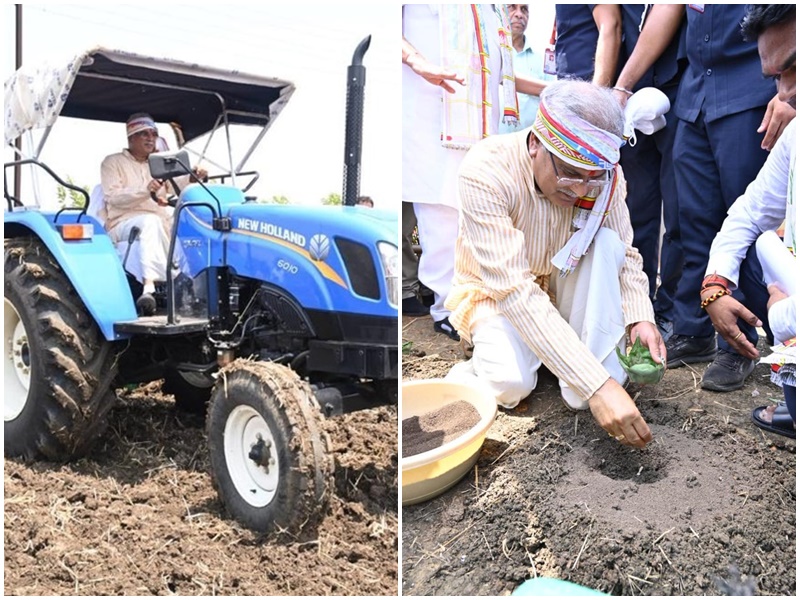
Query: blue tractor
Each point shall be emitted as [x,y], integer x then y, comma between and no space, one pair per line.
[280,316]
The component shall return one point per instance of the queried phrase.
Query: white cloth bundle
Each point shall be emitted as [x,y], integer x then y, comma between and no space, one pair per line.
[645,111]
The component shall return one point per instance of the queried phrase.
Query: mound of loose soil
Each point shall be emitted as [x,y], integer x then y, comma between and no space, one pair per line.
[707,508]
[138,516]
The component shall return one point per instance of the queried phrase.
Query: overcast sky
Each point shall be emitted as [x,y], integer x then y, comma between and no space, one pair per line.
[302,155]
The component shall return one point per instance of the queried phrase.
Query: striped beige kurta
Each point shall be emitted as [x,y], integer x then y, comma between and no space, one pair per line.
[507,236]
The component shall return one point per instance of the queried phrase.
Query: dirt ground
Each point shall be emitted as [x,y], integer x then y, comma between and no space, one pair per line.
[708,508]
[139,516]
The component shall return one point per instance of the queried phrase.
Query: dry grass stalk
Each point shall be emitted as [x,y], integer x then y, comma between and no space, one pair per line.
[458,535]
[658,539]
[669,562]
[489,548]
[533,565]
[583,547]
[508,449]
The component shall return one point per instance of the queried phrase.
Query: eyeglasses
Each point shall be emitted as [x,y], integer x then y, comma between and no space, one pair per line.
[568,182]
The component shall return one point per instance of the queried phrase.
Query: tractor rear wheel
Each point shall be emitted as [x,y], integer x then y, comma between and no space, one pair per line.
[270,457]
[58,367]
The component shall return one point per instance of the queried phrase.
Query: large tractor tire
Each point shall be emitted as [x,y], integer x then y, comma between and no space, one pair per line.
[270,457]
[58,367]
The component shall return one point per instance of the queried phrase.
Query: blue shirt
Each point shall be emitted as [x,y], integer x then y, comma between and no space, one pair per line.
[530,63]
[724,73]
[576,41]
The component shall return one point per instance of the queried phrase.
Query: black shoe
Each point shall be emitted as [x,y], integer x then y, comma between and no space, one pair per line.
[427,299]
[444,327]
[146,305]
[664,327]
[414,308]
[689,349]
[728,372]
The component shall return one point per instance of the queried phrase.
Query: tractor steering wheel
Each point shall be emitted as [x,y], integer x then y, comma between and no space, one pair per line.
[171,199]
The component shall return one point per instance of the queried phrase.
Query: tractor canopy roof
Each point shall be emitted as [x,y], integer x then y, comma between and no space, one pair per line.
[110,85]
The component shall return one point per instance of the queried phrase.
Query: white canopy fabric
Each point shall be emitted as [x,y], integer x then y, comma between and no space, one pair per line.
[35,95]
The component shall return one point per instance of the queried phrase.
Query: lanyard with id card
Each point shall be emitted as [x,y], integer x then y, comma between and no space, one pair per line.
[550,54]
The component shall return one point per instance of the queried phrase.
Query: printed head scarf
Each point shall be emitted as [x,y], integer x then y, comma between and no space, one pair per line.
[139,122]
[576,141]
[584,146]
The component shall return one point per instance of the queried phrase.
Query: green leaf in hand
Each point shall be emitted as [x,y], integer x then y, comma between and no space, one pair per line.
[639,365]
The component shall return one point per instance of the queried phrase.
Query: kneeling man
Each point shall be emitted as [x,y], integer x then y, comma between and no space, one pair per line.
[545,271]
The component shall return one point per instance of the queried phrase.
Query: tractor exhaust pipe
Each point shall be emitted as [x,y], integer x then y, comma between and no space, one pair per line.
[356,78]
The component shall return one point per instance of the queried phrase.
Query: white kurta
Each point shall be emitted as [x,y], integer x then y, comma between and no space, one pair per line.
[767,201]
[430,171]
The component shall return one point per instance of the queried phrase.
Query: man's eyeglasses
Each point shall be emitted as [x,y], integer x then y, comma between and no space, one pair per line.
[568,182]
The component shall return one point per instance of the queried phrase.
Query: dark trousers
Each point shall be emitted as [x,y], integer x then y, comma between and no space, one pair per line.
[410,263]
[648,168]
[790,395]
[714,163]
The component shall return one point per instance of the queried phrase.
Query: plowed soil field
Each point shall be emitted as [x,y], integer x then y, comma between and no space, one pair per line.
[139,516]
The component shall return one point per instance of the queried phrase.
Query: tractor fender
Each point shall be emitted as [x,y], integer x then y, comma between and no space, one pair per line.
[92,266]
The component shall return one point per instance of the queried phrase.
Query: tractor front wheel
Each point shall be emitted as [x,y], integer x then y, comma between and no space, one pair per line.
[270,458]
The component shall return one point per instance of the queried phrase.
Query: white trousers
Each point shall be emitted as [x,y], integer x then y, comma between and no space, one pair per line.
[148,255]
[589,299]
[437,225]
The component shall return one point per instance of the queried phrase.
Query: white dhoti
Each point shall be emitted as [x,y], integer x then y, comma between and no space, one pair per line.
[147,257]
[437,225]
[589,300]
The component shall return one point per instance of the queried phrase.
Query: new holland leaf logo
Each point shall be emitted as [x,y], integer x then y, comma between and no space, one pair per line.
[319,247]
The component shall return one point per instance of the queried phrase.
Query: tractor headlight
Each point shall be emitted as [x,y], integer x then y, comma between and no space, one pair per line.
[391,268]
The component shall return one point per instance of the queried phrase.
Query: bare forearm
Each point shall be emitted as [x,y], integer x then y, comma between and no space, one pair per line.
[433,74]
[526,85]
[609,26]
[409,52]
[661,26]
[605,59]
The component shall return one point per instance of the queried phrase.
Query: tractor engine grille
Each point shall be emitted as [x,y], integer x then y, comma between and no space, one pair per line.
[360,268]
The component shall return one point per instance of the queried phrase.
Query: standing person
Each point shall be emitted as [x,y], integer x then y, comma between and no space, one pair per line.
[545,270]
[455,57]
[729,115]
[590,46]
[648,164]
[529,60]
[740,247]
[365,201]
[134,199]
[412,299]
[588,41]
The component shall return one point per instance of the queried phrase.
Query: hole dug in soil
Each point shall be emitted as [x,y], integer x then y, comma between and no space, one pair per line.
[620,463]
